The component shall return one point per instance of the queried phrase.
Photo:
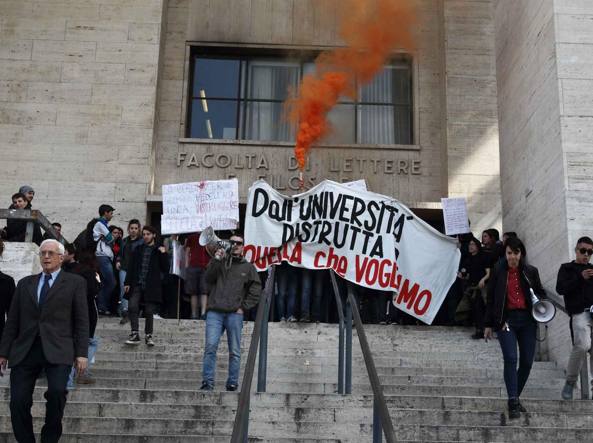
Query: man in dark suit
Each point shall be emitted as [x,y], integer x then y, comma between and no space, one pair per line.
[47,328]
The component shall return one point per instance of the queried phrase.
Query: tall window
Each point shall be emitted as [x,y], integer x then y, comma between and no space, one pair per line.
[243,98]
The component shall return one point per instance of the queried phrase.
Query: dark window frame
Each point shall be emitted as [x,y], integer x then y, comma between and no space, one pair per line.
[245,55]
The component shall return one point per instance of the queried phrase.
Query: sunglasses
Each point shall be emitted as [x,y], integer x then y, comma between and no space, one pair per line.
[586,251]
[48,253]
[235,242]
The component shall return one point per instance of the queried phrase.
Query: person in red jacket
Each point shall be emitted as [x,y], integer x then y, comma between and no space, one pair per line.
[197,261]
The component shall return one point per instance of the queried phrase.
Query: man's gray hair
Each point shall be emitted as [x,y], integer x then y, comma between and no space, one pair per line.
[51,241]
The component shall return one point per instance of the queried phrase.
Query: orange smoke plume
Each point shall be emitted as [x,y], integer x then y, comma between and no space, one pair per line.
[371,30]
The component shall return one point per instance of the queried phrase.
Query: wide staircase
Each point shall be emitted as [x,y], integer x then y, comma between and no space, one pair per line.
[439,386]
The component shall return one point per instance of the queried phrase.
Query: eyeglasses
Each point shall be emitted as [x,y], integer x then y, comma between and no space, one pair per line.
[235,243]
[586,251]
[48,253]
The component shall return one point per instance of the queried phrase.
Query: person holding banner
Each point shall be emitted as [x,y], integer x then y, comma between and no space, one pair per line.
[234,289]
[508,312]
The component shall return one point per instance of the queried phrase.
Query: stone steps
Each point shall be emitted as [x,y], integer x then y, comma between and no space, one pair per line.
[439,385]
[272,400]
[308,364]
[292,429]
[330,388]
[402,416]
[188,379]
[414,375]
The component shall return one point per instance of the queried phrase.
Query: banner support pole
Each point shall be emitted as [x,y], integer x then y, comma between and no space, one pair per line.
[178,300]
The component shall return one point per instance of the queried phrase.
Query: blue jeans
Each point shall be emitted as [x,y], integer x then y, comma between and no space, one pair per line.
[123,303]
[93,345]
[107,283]
[216,324]
[522,331]
[312,279]
[287,291]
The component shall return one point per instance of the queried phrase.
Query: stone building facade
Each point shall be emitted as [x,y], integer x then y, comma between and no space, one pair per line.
[95,96]
[94,104]
[78,91]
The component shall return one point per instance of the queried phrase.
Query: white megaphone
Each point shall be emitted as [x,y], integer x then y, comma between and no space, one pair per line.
[542,311]
[211,242]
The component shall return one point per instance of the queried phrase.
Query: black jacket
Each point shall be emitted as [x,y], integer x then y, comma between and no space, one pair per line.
[128,246]
[7,288]
[577,292]
[159,262]
[92,289]
[62,321]
[496,312]
[16,230]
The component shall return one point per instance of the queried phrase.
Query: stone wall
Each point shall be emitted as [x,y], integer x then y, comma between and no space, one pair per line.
[20,259]
[471,126]
[298,25]
[532,167]
[83,122]
[77,102]
[574,54]
[545,78]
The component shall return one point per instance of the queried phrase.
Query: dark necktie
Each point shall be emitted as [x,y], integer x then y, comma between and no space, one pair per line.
[44,288]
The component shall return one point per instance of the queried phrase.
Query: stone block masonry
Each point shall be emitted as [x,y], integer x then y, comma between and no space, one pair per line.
[77,93]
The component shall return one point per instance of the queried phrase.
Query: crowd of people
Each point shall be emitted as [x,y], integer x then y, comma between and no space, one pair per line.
[300,295]
[126,275]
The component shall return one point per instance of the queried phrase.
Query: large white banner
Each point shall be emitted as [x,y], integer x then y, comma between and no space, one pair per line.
[192,207]
[367,238]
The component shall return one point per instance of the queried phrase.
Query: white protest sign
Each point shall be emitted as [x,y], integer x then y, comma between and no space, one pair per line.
[455,215]
[367,238]
[192,207]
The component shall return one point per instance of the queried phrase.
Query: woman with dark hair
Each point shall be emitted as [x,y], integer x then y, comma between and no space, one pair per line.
[475,270]
[7,288]
[508,312]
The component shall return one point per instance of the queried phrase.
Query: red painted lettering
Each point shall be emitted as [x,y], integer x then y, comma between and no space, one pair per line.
[297,253]
[407,295]
[360,268]
[372,272]
[319,255]
[425,295]
[384,275]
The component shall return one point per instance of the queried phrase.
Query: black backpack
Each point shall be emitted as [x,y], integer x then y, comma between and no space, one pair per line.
[84,241]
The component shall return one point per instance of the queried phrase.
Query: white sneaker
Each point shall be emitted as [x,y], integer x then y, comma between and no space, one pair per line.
[157,317]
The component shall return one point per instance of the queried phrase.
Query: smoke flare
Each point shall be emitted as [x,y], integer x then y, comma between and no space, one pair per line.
[371,30]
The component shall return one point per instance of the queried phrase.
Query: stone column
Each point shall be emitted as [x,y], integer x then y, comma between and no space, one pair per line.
[544,64]
[471,126]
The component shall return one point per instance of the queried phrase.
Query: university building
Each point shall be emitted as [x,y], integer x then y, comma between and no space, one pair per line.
[104,101]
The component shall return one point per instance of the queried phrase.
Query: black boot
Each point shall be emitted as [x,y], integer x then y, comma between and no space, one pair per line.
[514,411]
